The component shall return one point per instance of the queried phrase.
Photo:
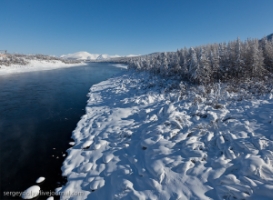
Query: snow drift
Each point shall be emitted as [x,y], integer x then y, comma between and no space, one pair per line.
[138,142]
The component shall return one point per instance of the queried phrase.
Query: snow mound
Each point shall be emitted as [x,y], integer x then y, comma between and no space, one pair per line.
[31,192]
[40,179]
[138,142]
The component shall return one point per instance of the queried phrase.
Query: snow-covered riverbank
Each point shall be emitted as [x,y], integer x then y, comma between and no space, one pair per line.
[138,142]
[36,65]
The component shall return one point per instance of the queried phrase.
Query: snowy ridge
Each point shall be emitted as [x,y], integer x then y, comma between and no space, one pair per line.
[138,142]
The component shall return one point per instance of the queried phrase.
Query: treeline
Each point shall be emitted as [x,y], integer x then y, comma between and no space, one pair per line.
[209,63]
[8,59]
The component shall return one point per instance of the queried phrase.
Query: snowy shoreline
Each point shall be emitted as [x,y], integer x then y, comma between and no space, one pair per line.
[138,142]
[36,65]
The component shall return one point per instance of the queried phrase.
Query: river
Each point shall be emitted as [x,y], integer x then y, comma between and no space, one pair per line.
[38,112]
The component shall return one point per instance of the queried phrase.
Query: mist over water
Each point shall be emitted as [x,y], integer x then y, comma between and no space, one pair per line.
[38,112]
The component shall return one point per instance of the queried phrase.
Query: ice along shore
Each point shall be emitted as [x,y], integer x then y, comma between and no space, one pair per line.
[36,65]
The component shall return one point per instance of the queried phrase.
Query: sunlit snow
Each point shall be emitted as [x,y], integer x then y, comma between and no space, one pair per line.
[40,179]
[31,192]
[137,141]
[36,65]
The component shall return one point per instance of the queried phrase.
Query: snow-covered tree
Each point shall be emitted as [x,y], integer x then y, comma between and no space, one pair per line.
[203,72]
[164,64]
[238,61]
[183,62]
[267,47]
[193,66]
[225,61]
[254,58]
[214,61]
[174,67]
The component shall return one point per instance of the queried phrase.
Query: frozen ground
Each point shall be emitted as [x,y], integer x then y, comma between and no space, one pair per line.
[138,142]
[35,65]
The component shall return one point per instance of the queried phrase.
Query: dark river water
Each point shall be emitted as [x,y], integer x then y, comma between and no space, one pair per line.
[38,112]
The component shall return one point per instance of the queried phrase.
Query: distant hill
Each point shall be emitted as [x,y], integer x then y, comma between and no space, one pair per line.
[106,57]
[154,54]
[270,37]
[83,55]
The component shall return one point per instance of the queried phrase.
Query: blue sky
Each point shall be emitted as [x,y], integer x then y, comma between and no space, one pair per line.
[124,27]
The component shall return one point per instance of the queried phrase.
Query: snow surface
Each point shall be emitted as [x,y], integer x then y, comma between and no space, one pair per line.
[71,143]
[138,142]
[31,192]
[120,66]
[40,179]
[36,65]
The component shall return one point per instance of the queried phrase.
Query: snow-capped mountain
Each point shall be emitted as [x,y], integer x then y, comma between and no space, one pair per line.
[106,56]
[83,55]
[103,57]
